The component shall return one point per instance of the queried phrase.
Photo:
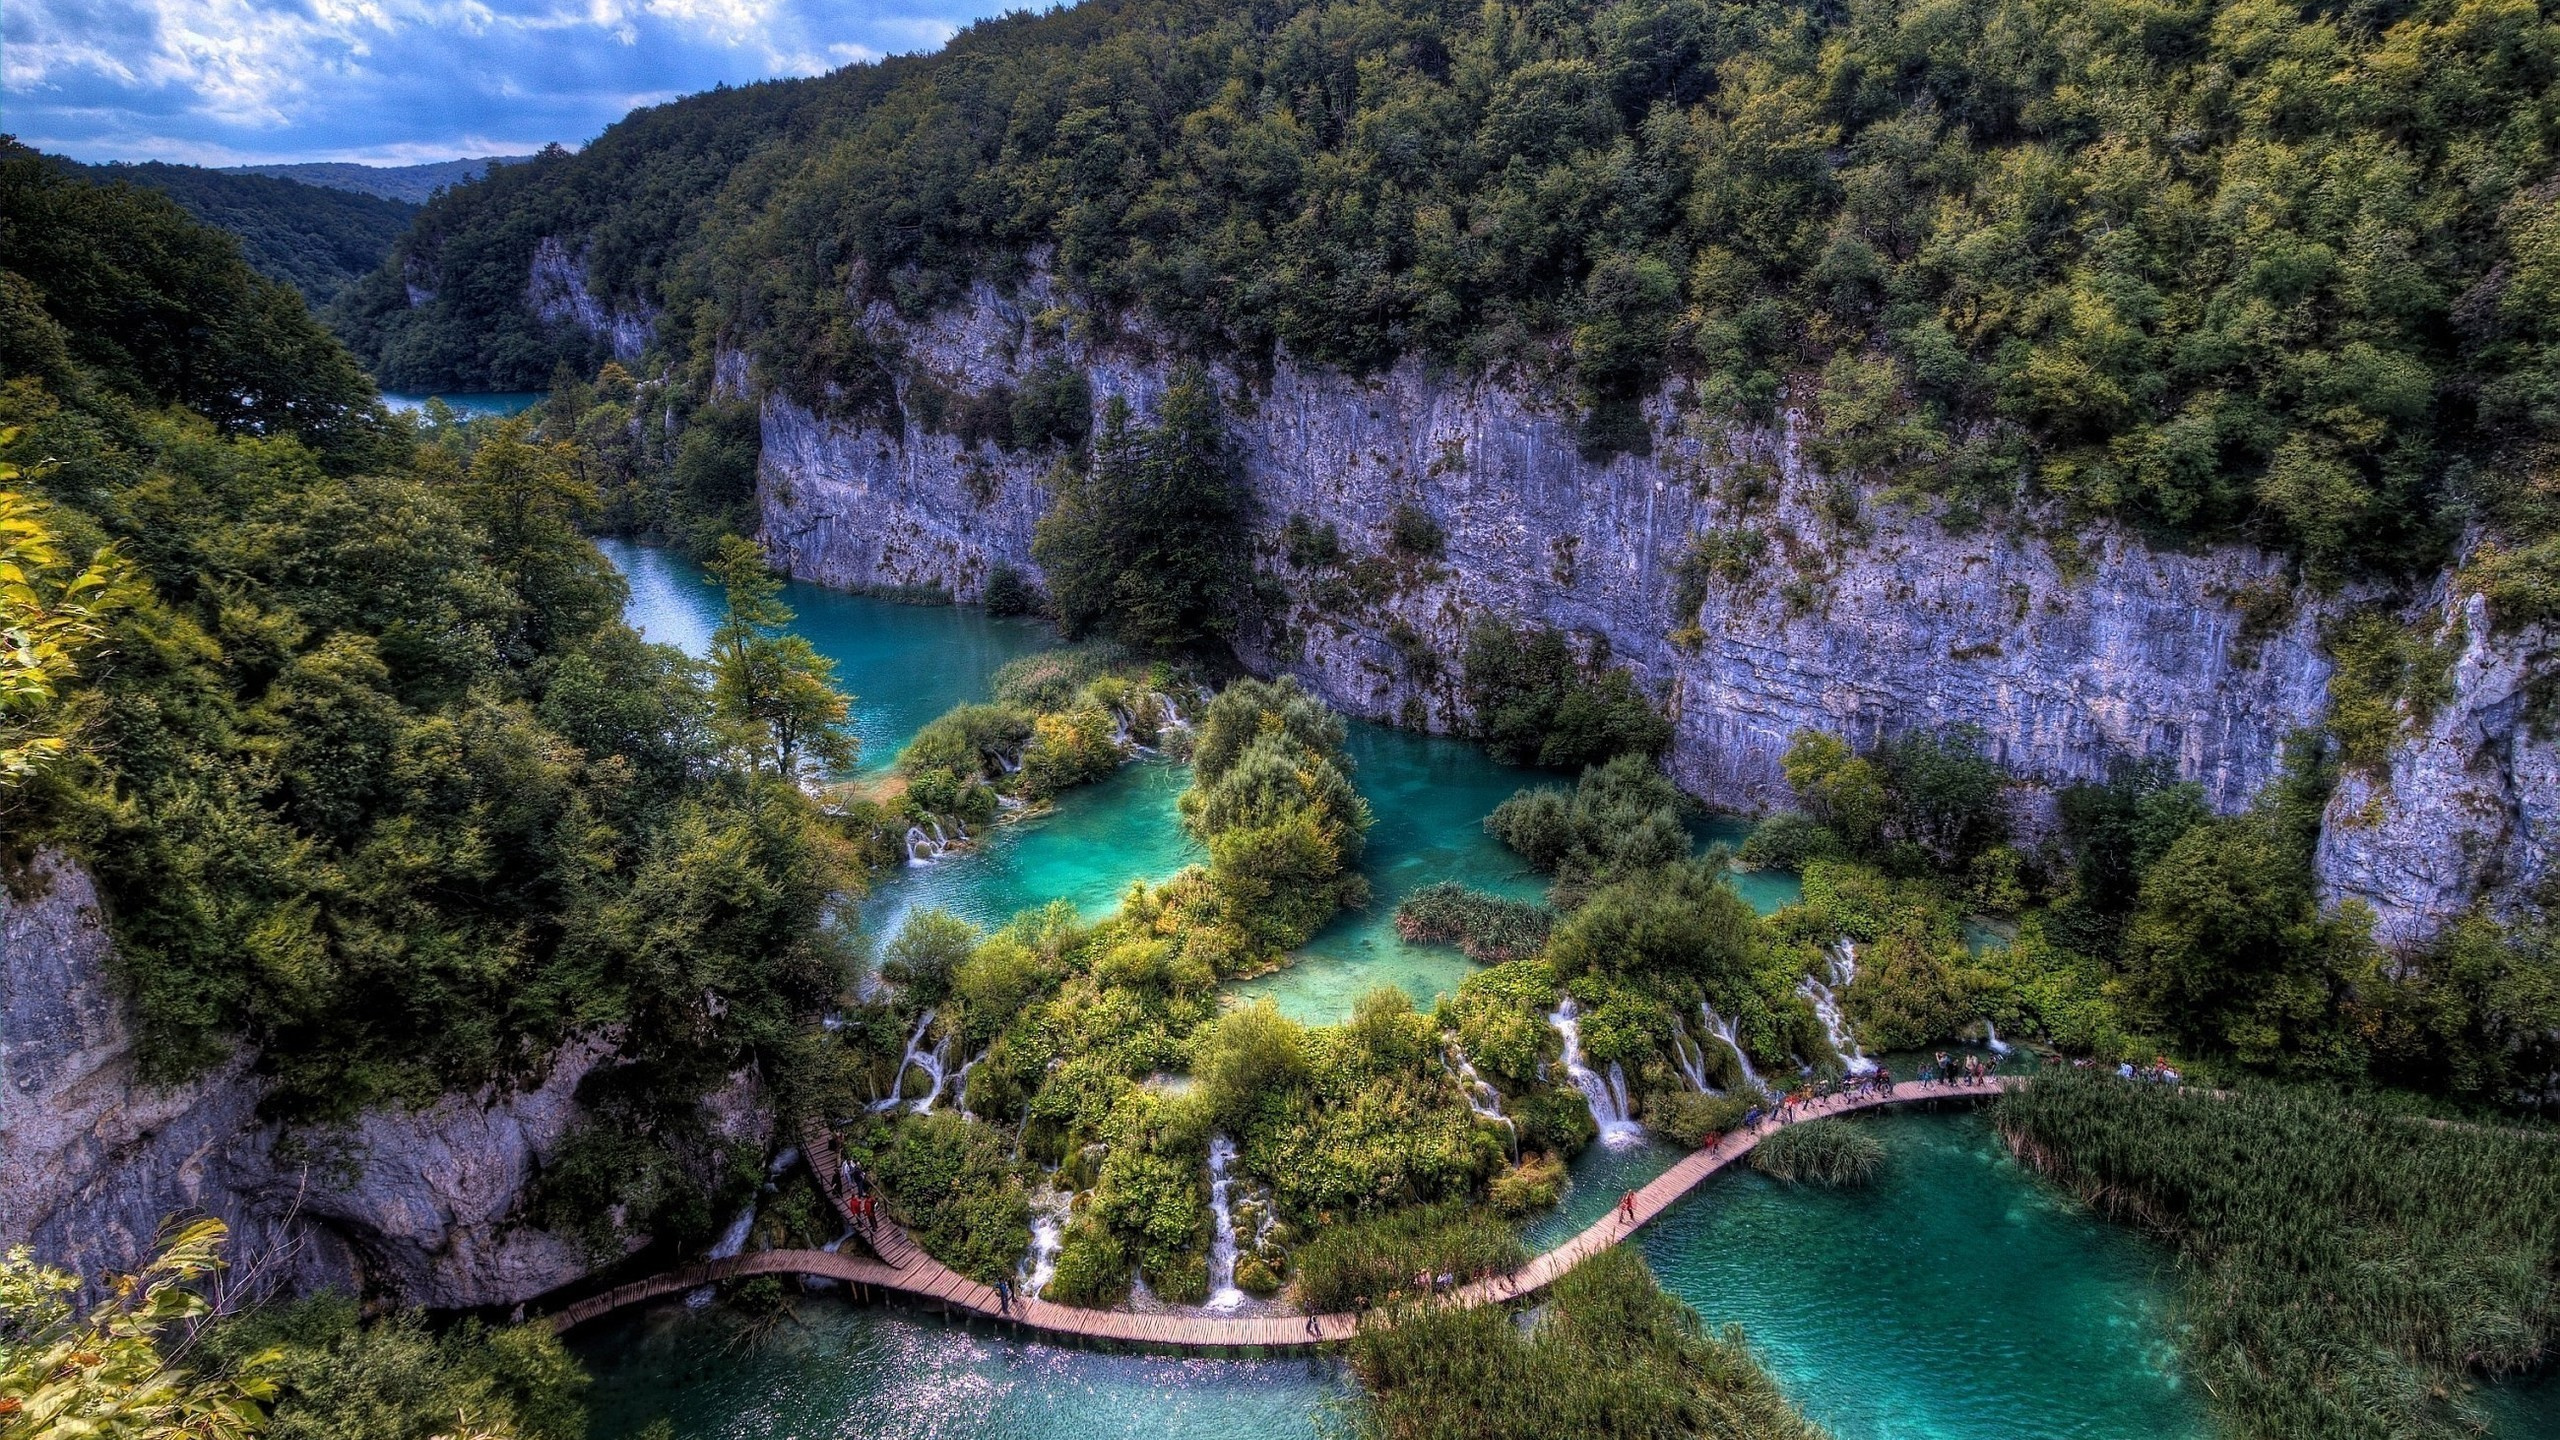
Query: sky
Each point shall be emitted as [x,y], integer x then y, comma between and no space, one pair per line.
[396,82]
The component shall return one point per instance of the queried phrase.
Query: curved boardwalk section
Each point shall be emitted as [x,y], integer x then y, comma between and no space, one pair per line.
[905,1269]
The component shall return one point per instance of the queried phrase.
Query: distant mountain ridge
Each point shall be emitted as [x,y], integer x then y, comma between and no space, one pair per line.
[410,184]
[315,238]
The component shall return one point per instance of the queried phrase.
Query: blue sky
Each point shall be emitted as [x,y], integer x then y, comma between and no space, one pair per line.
[217,82]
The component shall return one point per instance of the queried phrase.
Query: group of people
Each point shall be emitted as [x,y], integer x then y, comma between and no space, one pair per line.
[1971,1070]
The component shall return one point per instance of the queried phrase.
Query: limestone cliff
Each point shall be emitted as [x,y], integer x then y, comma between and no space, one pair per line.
[1834,607]
[417,1206]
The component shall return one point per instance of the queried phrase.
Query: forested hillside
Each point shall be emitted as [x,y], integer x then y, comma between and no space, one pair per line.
[316,240]
[409,184]
[2275,269]
[342,715]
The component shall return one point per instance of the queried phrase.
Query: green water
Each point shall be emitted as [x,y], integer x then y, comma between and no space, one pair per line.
[837,1370]
[903,664]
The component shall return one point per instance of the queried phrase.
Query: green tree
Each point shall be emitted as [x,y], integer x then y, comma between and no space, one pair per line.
[1146,542]
[51,610]
[772,689]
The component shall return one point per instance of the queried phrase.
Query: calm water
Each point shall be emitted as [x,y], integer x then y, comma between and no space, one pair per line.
[903,664]
[472,404]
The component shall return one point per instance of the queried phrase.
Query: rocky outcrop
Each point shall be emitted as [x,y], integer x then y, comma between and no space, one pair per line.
[418,1206]
[1819,604]
[556,290]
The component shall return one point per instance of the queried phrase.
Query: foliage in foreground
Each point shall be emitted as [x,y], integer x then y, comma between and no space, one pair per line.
[1379,1260]
[2346,1272]
[1611,1355]
[1831,1151]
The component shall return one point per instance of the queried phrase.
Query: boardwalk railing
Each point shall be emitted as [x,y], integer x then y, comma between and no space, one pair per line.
[907,1270]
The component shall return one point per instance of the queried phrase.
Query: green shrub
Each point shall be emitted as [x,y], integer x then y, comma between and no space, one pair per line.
[1488,928]
[1534,703]
[955,1189]
[1620,818]
[339,1378]
[1688,1118]
[1379,1258]
[1831,1152]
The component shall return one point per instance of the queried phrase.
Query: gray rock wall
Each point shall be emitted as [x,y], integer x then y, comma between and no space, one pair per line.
[416,1206]
[1865,618]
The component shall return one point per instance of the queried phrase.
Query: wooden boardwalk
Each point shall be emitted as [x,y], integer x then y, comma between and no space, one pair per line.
[903,1268]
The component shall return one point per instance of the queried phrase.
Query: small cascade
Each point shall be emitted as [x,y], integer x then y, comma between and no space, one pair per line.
[1120,738]
[1009,802]
[1607,1096]
[1693,1060]
[1006,764]
[914,1055]
[960,1085]
[1483,1099]
[935,1063]
[929,841]
[731,1244]
[1223,1294]
[1826,1004]
[1991,1037]
[1169,716]
[1050,1209]
[1722,1029]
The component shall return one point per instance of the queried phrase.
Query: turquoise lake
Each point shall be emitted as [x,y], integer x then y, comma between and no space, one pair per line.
[1957,1297]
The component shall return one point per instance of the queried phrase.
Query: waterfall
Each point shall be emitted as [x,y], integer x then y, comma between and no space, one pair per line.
[960,1085]
[1991,1037]
[1120,730]
[1171,715]
[1826,1004]
[732,1243]
[932,1063]
[1223,1294]
[1693,1060]
[920,846]
[1722,1029]
[1006,764]
[935,1063]
[1009,802]
[1606,1097]
[1483,1099]
[1050,1209]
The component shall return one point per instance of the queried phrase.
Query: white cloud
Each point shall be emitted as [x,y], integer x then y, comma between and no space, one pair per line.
[223,81]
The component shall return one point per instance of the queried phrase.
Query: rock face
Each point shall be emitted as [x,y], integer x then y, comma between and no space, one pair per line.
[420,1207]
[1833,607]
[556,290]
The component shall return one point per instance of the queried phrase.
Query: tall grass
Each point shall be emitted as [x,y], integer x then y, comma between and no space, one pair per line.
[1489,928]
[2345,1274]
[1611,1355]
[1381,1258]
[1820,1152]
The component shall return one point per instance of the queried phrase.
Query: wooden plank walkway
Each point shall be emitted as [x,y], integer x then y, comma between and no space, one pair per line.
[903,1268]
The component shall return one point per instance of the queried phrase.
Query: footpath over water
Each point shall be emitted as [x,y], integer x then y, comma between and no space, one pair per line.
[906,1270]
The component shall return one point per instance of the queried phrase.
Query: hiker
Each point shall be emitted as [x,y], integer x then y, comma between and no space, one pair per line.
[1004,1296]
[1313,1329]
[1627,1208]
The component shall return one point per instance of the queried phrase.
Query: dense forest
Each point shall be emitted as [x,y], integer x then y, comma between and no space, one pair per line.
[319,241]
[409,184]
[341,713]
[2269,269]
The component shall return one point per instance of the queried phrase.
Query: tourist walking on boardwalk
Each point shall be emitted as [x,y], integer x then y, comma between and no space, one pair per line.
[1312,1328]
[1627,1208]
[1004,1296]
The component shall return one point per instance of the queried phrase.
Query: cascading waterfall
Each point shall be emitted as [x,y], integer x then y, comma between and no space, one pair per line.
[1991,1038]
[1483,1099]
[1223,1294]
[925,844]
[731,1244]
[915,1055]
[1722,1029]
[1006,764]
[960,1085]
[1050,1209]
[1826,1004]
[1606,1097]
[920,846]
[1693,1060]
[1169,714]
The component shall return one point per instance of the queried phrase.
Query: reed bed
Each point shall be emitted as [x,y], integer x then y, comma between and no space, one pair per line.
[1609,1355]
[2347,1275]
[1379,1260]
[1820,1152]
[1488,928]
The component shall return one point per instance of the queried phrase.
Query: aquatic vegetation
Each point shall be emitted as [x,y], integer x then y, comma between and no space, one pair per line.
[1832,1151]
[1488,928]
[1380,1259]
[1271,796]
[2346,1270]
[1608,1354]
[1533,1185]
[1620,818]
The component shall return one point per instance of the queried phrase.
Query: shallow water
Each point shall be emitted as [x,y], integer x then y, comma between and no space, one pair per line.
[1955,1297]
[903,664]
[890,1374]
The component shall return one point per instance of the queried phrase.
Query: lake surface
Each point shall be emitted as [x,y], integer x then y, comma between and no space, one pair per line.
[471,404]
